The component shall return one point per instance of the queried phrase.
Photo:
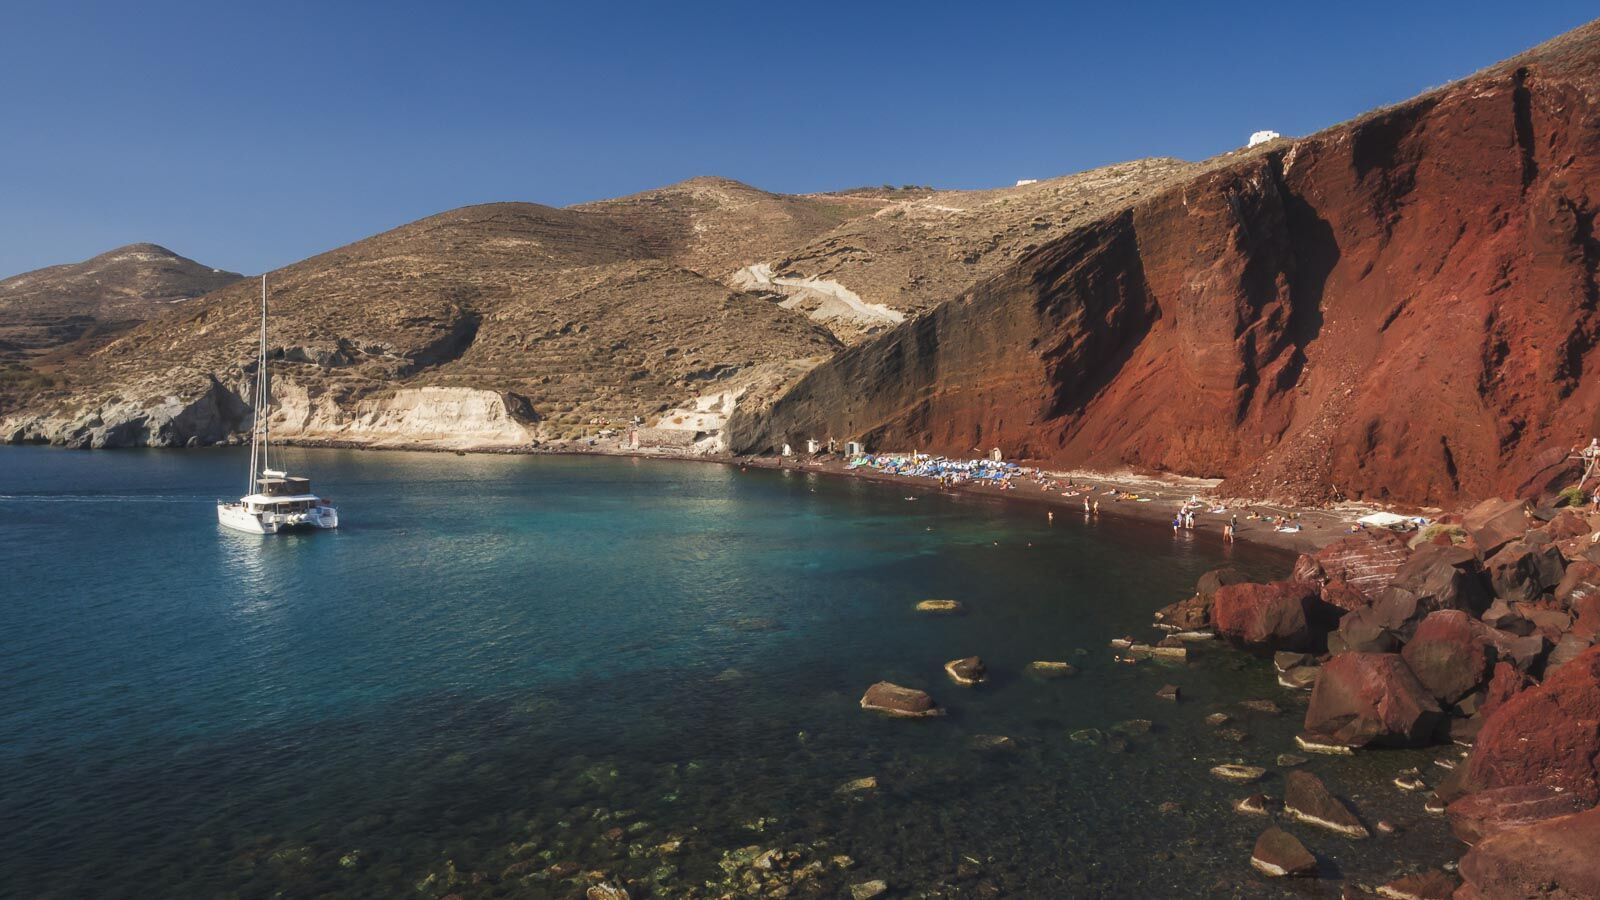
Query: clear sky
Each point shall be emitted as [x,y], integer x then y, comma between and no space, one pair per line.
[251,135]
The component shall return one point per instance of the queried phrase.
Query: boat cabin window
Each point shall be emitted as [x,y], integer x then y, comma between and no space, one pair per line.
[278,487]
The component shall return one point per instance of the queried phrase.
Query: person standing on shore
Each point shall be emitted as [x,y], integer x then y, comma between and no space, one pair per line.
[1227,533]
[1177,522]
[1097,507]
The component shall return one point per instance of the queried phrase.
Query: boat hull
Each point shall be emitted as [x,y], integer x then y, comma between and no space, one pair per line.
[235,516]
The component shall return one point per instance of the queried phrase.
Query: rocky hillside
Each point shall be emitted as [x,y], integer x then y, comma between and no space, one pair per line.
[511,324]
[94,299]
[1401,307]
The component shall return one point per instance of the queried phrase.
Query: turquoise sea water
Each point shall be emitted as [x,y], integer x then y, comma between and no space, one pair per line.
[500,665]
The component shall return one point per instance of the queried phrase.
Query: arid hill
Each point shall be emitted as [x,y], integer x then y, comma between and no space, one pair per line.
[509,324]
[94,299]
[1401,307]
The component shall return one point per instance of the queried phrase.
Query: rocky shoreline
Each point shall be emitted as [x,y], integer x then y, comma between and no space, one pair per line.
[1481,637]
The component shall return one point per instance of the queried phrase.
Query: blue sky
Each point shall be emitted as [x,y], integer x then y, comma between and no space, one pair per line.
[251,135]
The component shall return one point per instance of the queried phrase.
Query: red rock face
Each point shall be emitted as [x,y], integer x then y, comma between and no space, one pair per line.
[1366,562]
[1555,859]
[1404,306]
[1486,813]
[1547,735]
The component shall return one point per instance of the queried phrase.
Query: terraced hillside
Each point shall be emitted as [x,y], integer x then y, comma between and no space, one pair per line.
[62,311]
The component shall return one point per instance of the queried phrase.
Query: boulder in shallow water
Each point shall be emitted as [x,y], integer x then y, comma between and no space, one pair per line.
[1238,773]
[1185,615]
[605,890]
[1555,858]
[1307,799]
[895,700]
[941,606]
[1253,805]
[1372,698]
[1170,692]
[1279,854]
[968,670]
[1282,615]
[1433,884]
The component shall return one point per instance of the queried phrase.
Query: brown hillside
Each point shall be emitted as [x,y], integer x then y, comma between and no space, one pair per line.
[92,300]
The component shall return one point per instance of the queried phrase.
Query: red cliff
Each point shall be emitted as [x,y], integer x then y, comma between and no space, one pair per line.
[1403,306]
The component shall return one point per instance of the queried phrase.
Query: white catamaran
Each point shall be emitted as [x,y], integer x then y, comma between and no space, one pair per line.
[277,500]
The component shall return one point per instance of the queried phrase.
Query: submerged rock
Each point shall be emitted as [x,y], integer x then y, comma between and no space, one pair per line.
[866,890]
[859,785]
[1279,854]
[1307,799]
[992,742]
[941,606]
[966,671]
[894,700]
[1040,668]
[1169,692]
[1253,805]
[1238,773]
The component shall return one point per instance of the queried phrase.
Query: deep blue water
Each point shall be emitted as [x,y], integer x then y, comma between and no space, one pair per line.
[497,660]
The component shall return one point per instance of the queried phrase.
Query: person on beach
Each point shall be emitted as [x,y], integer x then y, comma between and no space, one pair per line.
[1097,507]
[1086,505]
[1177,522]
[1227,533]
[1233,522]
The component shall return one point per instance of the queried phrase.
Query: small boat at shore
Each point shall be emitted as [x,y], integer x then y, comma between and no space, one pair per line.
[275,500]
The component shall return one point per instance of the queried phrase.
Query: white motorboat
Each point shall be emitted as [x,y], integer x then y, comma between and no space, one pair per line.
[276,500]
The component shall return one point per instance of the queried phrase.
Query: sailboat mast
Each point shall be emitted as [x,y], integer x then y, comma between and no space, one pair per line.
[266,386]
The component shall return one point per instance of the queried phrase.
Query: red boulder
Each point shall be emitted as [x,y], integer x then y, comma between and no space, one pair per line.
[1555,858]
[1520,571]
[1365,698]
[1477,816]
[1282,615]
[1548,735]
[1494,523]
[1450,654]
[1366,561]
